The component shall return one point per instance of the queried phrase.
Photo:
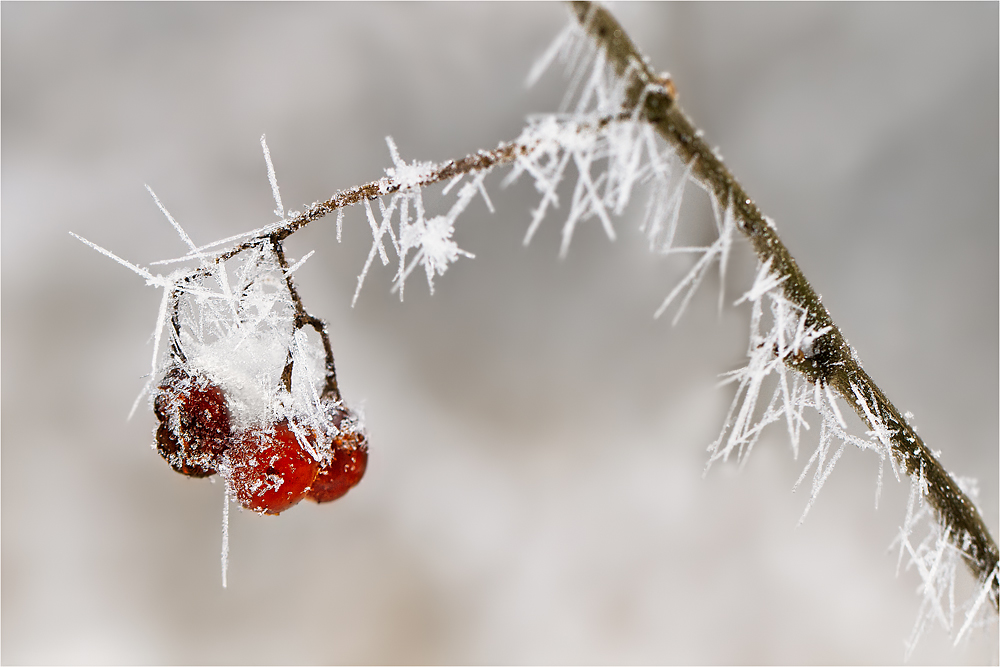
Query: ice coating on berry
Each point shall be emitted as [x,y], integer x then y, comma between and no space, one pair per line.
[194,422]
[239,325]
[269,471]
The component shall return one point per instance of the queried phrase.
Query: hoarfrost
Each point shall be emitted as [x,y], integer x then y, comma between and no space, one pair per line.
[404,175]
[236,321]
[627,154]
[429,238]
[929,548]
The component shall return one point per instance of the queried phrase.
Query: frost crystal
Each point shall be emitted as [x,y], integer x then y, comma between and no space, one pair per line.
[272,179]
[613,152]
[240,330]
[430,238]
[937,560]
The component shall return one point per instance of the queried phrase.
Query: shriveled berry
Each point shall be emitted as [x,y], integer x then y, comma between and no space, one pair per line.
[194,422]
[269,471]
[185,459]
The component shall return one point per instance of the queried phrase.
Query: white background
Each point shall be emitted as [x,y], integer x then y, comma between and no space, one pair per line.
[535,489]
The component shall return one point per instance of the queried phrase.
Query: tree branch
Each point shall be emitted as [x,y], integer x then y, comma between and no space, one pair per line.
[832,361]
[480,161]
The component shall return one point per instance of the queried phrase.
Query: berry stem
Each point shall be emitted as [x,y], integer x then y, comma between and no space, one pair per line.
[302,318]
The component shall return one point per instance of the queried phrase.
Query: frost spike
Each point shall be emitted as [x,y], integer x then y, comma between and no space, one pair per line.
[272,179]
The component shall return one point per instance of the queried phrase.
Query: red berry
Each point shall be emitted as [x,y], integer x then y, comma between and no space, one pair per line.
[194,423]
[270,472]
[339,475]
[347,466]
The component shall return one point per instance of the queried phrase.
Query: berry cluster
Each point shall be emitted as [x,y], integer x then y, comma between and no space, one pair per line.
[268,468]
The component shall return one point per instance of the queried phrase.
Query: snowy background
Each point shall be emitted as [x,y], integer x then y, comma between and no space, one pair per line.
[535,489]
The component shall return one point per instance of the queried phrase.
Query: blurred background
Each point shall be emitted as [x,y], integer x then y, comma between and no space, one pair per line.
[535,491]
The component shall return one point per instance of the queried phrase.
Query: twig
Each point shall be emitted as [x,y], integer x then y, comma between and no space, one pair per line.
[481,161]
[832,362]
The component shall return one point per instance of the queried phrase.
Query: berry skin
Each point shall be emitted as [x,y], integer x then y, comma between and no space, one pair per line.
[342,473]
[347,466]
[194,423]
[270,472]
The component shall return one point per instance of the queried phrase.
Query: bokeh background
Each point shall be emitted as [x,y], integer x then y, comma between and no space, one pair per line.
[535,490]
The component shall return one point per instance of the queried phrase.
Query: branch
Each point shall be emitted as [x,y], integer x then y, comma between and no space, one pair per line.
[638,99]
[481,161]
[832,362]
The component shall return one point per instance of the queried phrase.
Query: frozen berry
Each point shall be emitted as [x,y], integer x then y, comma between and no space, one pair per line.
[194,423]
[349,458]
[269,471]
[339,475]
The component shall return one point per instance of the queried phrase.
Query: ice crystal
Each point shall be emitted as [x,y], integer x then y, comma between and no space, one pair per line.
[611,157]
[928,547]
[240,329]
[430,238]
[272,179]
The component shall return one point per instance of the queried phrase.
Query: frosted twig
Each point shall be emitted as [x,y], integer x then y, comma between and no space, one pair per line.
[620,105]
[829,362]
